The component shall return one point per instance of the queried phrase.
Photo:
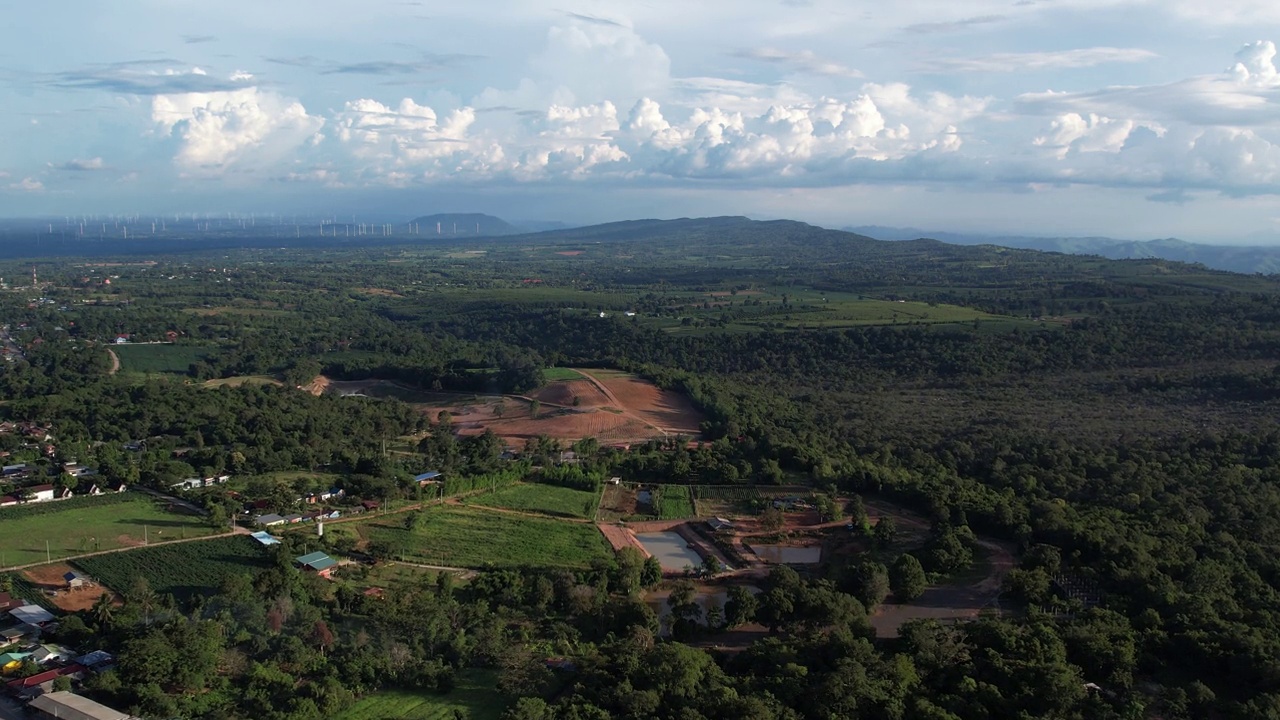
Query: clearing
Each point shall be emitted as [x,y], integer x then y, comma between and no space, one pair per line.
[82,528]
[242,380]
[614,407]
[474,696]
[159,357]
[49,579]
[456,536]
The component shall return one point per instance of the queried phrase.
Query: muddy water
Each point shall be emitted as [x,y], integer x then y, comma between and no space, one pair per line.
[781,554]
[671,550]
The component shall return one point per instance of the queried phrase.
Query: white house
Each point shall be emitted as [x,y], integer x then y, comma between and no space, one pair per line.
[42,493]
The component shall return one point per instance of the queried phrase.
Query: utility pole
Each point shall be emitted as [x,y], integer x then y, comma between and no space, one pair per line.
[146,540]
[47,557]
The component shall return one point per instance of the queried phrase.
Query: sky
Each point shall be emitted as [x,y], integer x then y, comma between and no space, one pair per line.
[1128,118]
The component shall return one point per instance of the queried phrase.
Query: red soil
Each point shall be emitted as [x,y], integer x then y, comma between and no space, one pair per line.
[49,577]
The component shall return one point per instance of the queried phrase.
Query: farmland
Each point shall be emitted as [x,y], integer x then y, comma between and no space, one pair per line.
[671,502]
[158,358]
[474,697]
[545,499]
[90,524]
[184,569]
[475,538]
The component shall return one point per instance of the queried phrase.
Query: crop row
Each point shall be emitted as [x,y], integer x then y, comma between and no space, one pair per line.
[183,569]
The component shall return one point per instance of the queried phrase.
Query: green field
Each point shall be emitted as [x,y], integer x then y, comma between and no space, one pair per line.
[673,502]
[239,381]
[474,697]
[88,526]
[546,499]
[557,373]
[159,358]
[184,569]
[475,538]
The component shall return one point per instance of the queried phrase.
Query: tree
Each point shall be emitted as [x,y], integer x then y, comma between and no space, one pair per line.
[884,532]
[906,578]
[103,610]
[772,519]
[321,635]
[868,581]
[711,565]
[61,683]
[740,606]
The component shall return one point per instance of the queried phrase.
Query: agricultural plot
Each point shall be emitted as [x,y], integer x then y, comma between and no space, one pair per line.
[558,373]
[184,569]
[474,538]
[50,532]
[671,502]
[160,358]
[475,697]
[545,499]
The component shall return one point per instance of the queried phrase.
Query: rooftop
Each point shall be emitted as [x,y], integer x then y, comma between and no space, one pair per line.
[316,561]
[69,706]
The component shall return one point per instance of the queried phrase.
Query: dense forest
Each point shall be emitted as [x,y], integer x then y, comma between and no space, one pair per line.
[1114,420]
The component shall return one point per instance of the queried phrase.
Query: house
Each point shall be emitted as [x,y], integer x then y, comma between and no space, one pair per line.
[269,519]
[94,490]
[31,615]
[291,519]
[427,478]
[44,654]
[719,524]
[332,494]
[78,470]
[67,705]
[122,339]
[36,684]
[11,661]
[9,470]
[370,504]
[265,538]
[188,484]
[317,562]
[8,602]
[41,493]
[18,633]
[96,660]
[64,494]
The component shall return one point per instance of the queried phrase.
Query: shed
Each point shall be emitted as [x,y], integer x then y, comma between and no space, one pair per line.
[317,562]
[427,478]
[11,660]
[720,524]
[32,615]
[67,705]
[96,659]
[74,580]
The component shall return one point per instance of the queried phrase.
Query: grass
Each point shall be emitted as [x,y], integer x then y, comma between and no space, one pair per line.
[474,697]
[545,499]
[184,569]
[473,538]
[557,373]
[89,528]
[160,358]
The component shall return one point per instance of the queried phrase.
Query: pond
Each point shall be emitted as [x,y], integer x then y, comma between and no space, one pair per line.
[673,552]
[786,555]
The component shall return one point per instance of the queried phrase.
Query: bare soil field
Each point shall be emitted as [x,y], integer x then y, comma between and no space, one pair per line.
[664,409]
[49,578]
[564,392]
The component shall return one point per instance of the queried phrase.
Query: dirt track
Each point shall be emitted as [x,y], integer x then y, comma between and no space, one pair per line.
[115,362]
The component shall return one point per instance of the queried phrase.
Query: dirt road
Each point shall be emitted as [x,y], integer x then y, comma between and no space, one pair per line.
[115,362]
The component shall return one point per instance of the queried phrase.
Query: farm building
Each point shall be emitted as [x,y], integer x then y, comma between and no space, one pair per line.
[74,580]
[332,493]
[428,478]
[188,484]
[269,519]
[70,706]
[317,562]
[291,519]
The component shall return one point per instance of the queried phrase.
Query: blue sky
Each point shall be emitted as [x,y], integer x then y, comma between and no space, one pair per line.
[1140,118]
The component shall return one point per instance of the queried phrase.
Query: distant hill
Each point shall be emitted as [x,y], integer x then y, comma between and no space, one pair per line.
[464,224]
[1235,258]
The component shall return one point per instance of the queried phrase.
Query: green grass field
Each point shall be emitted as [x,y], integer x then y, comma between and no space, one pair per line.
[557,373]
[546,499]
[240,381]
[475,538]
[184,569]
[159,358]
[88,528]
[474,696]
